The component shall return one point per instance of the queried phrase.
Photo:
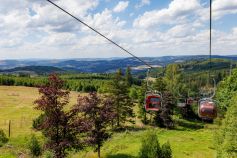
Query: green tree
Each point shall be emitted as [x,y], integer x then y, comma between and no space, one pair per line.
[128,77]
[226,141]
[160,84]
[123,105]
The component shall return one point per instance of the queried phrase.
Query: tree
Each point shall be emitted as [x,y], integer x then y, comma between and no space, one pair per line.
[141,101]
[164,118]
[128,76]
[99,114]
[172,77]
[123,106]
[61,128]
[226,141]
[160,84]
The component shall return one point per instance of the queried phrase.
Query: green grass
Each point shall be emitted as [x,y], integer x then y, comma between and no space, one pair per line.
[188,140]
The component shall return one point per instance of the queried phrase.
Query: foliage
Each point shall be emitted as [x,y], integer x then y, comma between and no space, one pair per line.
[163,118]
[61,128]
[226,137]
[99,114]
[123,105]
[226,90]
[128,77]
[166,150]
[48,154]
[150,146]
[34,146]
[3,138]
[160,84]
[142,114]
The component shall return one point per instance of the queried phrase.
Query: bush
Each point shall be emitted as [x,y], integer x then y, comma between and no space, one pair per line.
[37,121]
[150,146]
[3,138]
[48,154]
[166,150]
[34,146]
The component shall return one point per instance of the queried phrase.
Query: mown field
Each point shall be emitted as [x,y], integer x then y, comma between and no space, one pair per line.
[188,140]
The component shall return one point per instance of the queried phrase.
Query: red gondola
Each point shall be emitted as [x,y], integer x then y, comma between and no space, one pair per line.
[207,109]
[153,102]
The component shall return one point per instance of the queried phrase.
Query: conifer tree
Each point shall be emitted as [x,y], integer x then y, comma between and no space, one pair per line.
[123,106]
[128,76]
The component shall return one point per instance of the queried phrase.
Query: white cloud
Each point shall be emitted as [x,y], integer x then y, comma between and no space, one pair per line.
[176,12]
[121,6]
[143,3]
[34,28]
[224,7]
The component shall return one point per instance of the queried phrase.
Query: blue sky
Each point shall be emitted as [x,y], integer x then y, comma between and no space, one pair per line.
[36,29]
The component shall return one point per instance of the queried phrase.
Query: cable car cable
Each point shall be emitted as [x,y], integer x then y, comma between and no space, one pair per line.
[96,31]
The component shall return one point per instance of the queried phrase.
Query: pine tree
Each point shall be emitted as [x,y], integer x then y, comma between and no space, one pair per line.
[164,118]
[128,76]
[122,103]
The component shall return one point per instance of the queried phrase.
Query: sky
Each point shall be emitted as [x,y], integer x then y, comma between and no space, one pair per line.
[147,28]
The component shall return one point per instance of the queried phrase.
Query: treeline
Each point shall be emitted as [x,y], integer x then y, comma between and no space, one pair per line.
[80,84]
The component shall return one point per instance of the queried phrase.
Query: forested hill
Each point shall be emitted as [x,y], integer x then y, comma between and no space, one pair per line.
[104,65]
[37,70]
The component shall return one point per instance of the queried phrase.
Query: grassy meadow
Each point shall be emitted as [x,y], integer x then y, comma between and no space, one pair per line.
[188,140]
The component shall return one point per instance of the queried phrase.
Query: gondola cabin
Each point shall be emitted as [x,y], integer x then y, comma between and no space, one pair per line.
[153,102]
[207,109]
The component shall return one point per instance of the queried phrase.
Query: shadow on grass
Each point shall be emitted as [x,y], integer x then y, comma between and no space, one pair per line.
[187,125]
[129,128]
[120,156]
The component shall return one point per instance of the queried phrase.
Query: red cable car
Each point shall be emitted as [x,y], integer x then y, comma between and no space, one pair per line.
[207,109]
[153,102]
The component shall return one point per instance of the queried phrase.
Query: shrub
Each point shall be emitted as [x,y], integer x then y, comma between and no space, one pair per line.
[48,154]
[34,146]
[3,138]
[150,146]
[166,150]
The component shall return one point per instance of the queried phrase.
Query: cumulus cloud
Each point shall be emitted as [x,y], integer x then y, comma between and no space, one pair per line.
[34,27]
[224,7]
[177,11]
[121,6]
[143,3]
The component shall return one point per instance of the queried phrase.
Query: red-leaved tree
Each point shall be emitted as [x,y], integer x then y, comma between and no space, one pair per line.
[61,128]
[98,112]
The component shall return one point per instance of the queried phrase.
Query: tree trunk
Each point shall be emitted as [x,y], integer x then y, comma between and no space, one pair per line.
[98,151]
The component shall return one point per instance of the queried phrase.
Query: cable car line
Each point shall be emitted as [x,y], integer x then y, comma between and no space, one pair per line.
[99,33]
[210,41]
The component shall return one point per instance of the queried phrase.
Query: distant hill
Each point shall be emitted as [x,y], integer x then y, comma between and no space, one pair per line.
[33,70]
[96,65]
